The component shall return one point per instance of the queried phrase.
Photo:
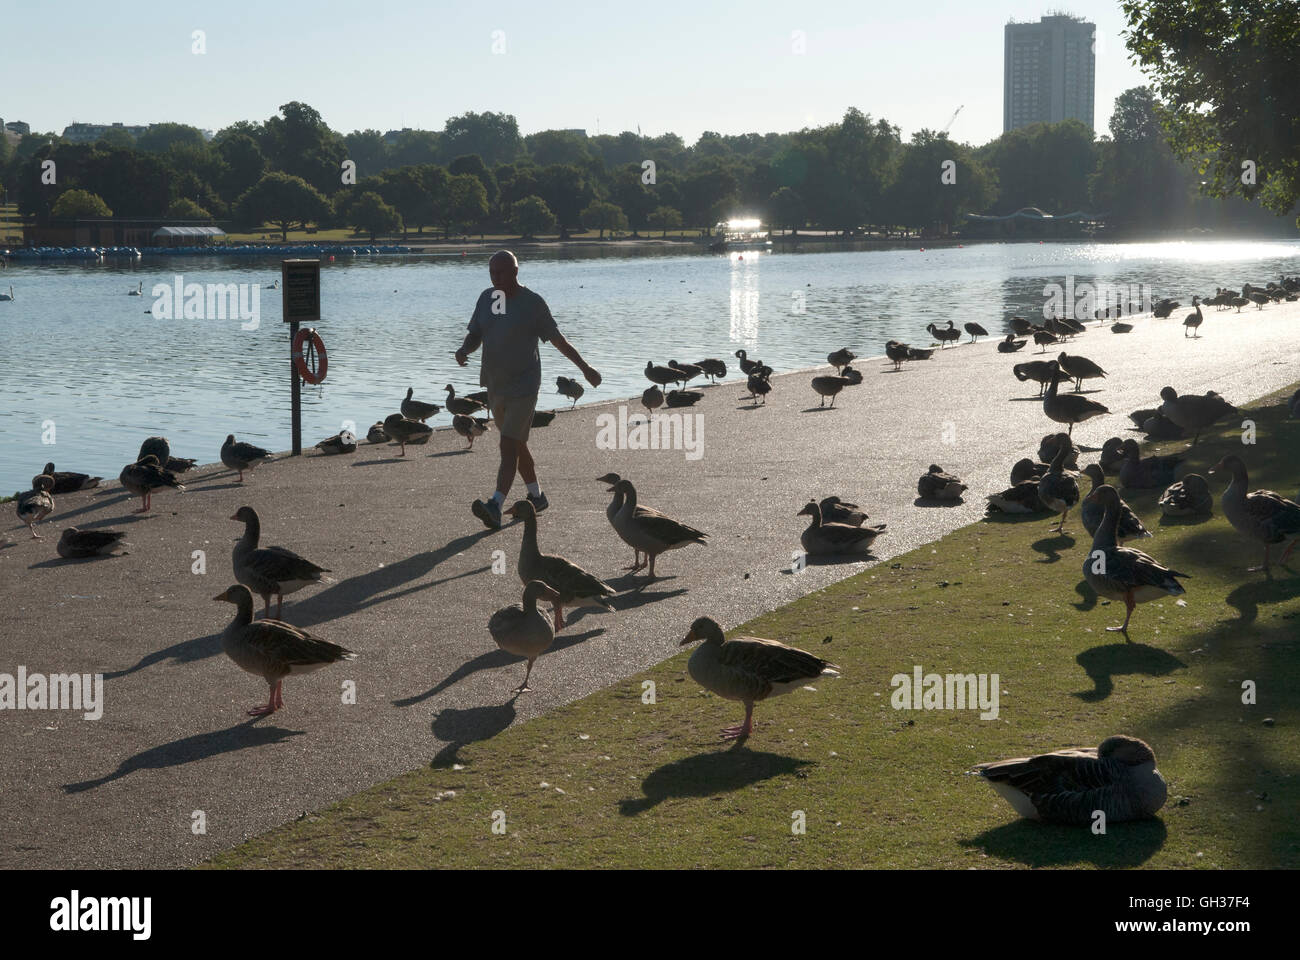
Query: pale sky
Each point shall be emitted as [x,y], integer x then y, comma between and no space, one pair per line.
[673,66]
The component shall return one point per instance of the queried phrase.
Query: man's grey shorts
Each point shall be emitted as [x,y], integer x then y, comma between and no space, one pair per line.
[513,416]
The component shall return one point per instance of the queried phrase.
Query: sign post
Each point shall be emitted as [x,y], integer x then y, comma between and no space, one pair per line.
[300,302]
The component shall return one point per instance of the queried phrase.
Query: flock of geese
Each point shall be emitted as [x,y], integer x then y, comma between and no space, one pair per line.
[1064,786]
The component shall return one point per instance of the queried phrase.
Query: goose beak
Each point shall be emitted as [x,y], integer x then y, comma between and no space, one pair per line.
[233,517]
[221,596]
[690,638]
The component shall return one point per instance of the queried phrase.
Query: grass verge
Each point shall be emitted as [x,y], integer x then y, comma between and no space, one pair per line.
[612,781]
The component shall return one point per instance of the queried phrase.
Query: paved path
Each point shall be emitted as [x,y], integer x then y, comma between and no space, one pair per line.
[414,586]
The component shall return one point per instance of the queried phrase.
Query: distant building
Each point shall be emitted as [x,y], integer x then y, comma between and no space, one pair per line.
[18,127]
[576,132]
[90,132]
[1049,72]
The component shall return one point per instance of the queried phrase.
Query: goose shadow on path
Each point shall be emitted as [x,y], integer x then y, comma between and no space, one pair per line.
[709,774]
[200,746]
[1050,845]
[1105,662]
[458,728]
[186,651]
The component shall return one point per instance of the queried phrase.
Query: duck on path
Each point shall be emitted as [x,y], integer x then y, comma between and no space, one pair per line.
[399,429]
[67,482]
[975,330]
[1261,514]
[829,386]
[1040,371]
[748,669]
[689,370]
[270,570]
[1092,513]
[1122,573]
[568,387]
[241,456]
[1070,408]
[524,630]
[77,544]
[1067,787]
[759,387]
[376,433]
[937,485]
[573,585]
[652,398]
[158,447]
[271,649]
[713,368]
[414,409]
[841,358]
[1138,473]
[470,427]
[36,504]
[1044,339]
[1057,489]
[651,533]
[824,539]
[663,375]
[1189,497]
[342,442]
[1011,344]
[145,477]
[463,406]
[747,365]
[1195,413]
[944,337]
[1079,369]
[835,510]
[682,398]
[1193,321]
[897,352]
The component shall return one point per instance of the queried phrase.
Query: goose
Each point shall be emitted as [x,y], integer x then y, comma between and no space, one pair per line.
[1112,455]
[8,296]
[463,406]
[1194,413]
[758,387]
[376,433]
[469,427]
[834,538]
[80,544]
[271,649]
[417,409]
[241,456]
[615,505]
[272,286]
[944,337]
[1262,514]
[1019,498]
[1189,497]
[1058,490]
[1054,441]
[270,570]
[401,430]
[1079,369]
[835,510]
[570,388]
[1137,473]
[1058,328]
[36,504]
[573,585]
[137,292]
[1239,302]
[543,418]
[748,669]
[651,533]
[158,447]
[524,630]
[1139,417]
[180,464]
[683,398]
[689,370]
[712,368]
[898,352]
[478,396]
[1011,344]
[1026,469]
[1164,308]
[342,442]
[1193,320]
[841,358]
[652,398]
[937,485]
[1161,427]
[829,386]
[975,330]
[1040,371]
[920,353]
[1122,328]
[1067,787]
[144,477]
[1044,339]
[1259,299]
[1122,573]
[663,375]
[1021,327]
[66,482]
[1069,409]
[746,365]
[1092,513]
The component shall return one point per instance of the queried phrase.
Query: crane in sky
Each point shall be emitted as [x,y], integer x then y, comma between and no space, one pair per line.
[953,117]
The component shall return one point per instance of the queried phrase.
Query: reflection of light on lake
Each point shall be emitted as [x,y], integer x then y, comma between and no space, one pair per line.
[744,299]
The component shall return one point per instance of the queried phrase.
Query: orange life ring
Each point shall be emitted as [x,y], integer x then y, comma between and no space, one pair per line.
[316,346]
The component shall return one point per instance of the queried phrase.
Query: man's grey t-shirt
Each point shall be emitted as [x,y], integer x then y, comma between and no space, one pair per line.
[511,366]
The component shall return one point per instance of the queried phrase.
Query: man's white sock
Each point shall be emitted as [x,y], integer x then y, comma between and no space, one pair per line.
[498,498]
[534,489]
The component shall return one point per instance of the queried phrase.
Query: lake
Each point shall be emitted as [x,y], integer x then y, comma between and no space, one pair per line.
[88,366]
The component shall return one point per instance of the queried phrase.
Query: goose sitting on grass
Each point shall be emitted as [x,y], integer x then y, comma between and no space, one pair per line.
[1068,408]
[67,482]
[748,669]
[1092,512]
[271,649]
[81,544]
[1118,778]
[1026,469]
[1122,573]
[36,504]
[1112,455]
[825,539]
[270,570]
[1019,498]
[651,532]
[1138,473]
[1189,497]
[524,630]
[1053,442]
[143,478]
[1261,514]
[1195,413]
[573,585]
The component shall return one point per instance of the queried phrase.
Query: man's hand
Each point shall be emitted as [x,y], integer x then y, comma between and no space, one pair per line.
[461,358]
[592,375]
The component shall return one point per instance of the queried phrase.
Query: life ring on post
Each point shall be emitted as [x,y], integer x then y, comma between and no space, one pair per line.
[312,374]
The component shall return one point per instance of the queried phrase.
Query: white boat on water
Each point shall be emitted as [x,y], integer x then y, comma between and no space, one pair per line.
[746,234]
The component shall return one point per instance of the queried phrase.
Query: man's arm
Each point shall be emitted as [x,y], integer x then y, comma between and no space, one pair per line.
[473,339]
[568,349]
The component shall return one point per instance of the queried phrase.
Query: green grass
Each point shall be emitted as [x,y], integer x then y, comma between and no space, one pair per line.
[609,781]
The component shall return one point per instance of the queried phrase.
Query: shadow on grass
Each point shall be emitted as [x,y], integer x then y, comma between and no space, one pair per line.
[1049,845]
[1000,517]
[1051,547]
[708,774]
[461,727]
[1088,596]
[1247,598]
[1103,663]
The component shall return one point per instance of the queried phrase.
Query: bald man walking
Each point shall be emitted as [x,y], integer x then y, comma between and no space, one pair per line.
[508,321]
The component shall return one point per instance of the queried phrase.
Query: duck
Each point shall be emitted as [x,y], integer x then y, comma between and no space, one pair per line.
[689,370]
[841,358]
[759,387]
[748,669]
[272,286]
[543,418]
[944,337]
[937,485]
[157,447]
[144,477]
[1189,497]
[243,456]
[1092,513]
[824,539]
[1164,308]
[463,406]
[1048,446]
[1026,469]
[1122,328]
[1079,369]
[1072,325]
[663,375]
[1020,497]
[180,464]
[469,427]
[1040,371]
[1160,427]
[1022,327]
[138,291]
[975,330]
[66,482]
[1044,339]
[1112,455]
[1261,514]
[1137,473]
[1057,489]
[1122,573]
[270,570]
[1193,321]
[835,510]
[271,649]
[652,398]
[829,386]
[713,368]
[652,533]
[683,398]
[414,409]
[1070,408]
[854,377]
[376,434]
[1119,778]
[573,585]
[478,396]
[568,387]
[36,504]
[920,353]
[77,544]
[1194,413]
[897,352]
[747,365]
[401,430]
[342,442]
[1011,344]
[523,630]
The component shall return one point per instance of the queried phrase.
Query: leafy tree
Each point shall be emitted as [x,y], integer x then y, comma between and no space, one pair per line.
[786,209]
[665,219]
[566,191]
[493,136]
[466,202]
[919,196]
[369,214]
[75,204]
[301,144]
[186,209]
[160,137]
[282,200]
[116,138]
[414,147]
[604,216]
[473,164]
[244,165]
[1138,182]
[549,147]
[366,148]
[531,217]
